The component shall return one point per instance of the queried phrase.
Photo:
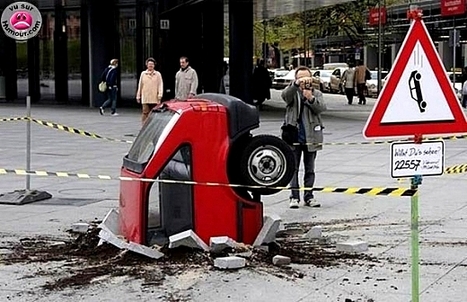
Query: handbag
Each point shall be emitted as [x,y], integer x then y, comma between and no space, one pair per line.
[289,134]
[102,86]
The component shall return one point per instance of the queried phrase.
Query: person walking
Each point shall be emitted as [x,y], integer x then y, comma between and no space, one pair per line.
[186,81]
[303,110]
[348,80]
[261,84]
[150,89]
[110,76]
[362,74]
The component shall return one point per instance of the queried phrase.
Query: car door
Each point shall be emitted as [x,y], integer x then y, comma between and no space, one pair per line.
[335,80]
[316,81]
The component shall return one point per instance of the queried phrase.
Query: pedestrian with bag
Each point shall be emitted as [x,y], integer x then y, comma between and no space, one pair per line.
[150,89]
[110,78]
[303,113]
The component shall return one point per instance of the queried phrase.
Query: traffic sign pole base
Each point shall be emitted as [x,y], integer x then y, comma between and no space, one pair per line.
[20,197]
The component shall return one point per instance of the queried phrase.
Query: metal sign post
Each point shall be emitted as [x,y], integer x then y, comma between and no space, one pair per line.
[22,21]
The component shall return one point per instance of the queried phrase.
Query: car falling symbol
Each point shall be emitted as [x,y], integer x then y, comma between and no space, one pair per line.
[414,85]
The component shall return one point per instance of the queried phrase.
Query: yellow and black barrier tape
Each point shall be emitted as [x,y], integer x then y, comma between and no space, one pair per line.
[450,137]
[371,191]
[78,131]
[457,169]
[13,119]
[97,136]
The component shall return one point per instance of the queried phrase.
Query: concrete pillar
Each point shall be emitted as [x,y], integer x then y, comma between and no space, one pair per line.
[395,47]
[464,54]
[34,89]
[241,48]
[445,53]
[370,57]
[61,54]
[103,44]
[8,66]
[213,44]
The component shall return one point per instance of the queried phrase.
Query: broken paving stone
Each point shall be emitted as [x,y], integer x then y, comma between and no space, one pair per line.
[246,254]
[188,239]
[263,248]
[352,246]
[231,262]
[314,233]
[267,234]
[121,243]
[280,260]
[80,227]
[145,250]
[221,243]
[110,222]
[113,239]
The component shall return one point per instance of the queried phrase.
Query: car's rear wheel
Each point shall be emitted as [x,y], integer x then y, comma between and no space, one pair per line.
[266,162]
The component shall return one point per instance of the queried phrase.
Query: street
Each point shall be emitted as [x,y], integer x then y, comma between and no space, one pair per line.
[381,274]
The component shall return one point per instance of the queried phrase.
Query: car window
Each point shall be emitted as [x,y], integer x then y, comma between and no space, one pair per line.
[325,73]
[336,72]
[316,74]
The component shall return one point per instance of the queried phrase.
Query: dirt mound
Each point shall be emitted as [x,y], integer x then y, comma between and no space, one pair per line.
[82,261]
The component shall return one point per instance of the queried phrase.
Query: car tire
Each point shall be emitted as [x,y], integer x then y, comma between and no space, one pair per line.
[266,162]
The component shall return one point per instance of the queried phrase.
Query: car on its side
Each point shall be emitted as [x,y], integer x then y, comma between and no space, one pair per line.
[321,79]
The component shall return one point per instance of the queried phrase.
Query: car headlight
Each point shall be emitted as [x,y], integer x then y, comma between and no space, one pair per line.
[372,86]
[325,83]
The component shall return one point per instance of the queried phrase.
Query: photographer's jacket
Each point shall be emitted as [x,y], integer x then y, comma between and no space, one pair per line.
[311,115]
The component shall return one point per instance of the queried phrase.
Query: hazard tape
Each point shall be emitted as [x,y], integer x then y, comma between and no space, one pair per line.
[13,119]
[97,136]
[78,131]
[371,191]
[450,137]
[457,169]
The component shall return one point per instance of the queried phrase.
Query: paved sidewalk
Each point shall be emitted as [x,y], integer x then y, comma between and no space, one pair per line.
[384,222]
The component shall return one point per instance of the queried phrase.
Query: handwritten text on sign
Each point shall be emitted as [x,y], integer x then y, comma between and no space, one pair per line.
[410,159]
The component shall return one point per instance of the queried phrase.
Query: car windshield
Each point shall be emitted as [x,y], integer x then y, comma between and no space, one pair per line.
[325,73]
[458,77]
[281,73]
[374,75]
[144,145]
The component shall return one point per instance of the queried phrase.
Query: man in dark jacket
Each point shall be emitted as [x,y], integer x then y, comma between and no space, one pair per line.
[304,107]
[110,76]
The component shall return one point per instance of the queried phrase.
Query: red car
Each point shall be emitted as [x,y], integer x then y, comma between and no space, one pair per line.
[202,140]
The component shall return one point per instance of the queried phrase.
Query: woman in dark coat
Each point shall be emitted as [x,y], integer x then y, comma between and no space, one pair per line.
[261,83]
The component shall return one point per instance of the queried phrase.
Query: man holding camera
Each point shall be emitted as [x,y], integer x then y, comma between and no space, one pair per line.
[303,110]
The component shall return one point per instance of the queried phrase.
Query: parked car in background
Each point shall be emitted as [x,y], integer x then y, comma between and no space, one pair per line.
[372,89]
[332,66]
[321,79]
[372,85]
[281,81]
[335,82]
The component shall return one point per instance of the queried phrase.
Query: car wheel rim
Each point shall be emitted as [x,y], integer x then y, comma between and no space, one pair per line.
[266,165]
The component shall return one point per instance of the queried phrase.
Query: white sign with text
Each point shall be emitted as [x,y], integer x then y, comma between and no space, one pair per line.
[410,159]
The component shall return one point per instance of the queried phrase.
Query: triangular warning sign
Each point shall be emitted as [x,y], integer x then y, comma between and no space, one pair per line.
[418,98]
